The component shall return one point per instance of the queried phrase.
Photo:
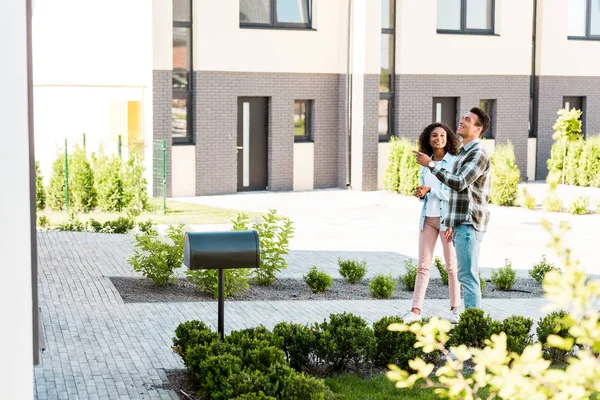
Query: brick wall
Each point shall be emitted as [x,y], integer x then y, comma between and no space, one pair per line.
[414,103]
[215,126]
[550,91]
[162,94]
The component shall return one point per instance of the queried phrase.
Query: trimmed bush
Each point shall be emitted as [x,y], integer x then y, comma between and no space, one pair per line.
[506,277]
[473,328]
[441,269]
[40,192]
[539,270]
[589,163]
[572,167]
[318,281]
[81,181]
[298,343]
[402,173]
[394,347]
[352,270]
[409,277]
[552,324]
[580,205]
[382,286]
[192,333]
[344,342]
[552,203]
[505,176]
[518,336]
[207,281]
[56,187]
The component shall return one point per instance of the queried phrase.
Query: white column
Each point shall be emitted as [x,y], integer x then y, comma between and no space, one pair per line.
[16,333]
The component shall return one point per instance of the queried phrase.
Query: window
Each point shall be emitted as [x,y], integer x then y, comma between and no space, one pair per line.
[181,109]
[444,110]
[387,74]
[302,121]
[489,106]
[584,19]
[276,13]
[465,16]
[578,103]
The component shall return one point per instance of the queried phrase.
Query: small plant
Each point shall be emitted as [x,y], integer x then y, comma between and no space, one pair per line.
[344,342]
[482,282]
[207,281]
[553,324]
[580,205]
[120,225]
[352,270]
[147,227]
[73,224]
[441,269]
[506,277]
[317,281]
[409,278]
[274,239]
[473,328]
[527,200]
[157,256]
[40,192]
[518,336]
[552,203]
[382,286]
[539,270]
[43,222]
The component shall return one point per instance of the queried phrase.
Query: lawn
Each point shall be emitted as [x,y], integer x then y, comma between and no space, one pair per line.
[176,213]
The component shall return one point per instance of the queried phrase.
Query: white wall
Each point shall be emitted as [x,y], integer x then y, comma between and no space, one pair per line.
[16,334]
[184,171]
[421,50]
[556,55]
[221,45]
[304,166]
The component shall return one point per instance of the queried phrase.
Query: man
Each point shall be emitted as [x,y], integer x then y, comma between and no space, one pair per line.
[468,213]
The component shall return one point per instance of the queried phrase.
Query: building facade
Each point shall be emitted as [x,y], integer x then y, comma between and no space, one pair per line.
[306,94]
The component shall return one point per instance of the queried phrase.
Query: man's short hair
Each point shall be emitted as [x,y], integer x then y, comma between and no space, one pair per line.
[483,119]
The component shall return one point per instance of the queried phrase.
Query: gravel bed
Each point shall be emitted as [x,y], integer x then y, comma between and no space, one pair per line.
[139,290]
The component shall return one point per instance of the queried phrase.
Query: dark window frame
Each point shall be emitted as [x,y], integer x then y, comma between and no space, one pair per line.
[308,131]
[188,93]
[391,95]
[588,25]
[274,24]
[490,110]
[463,23]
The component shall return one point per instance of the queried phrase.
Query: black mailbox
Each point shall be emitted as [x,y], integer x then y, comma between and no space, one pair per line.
[217,250]
[221,250]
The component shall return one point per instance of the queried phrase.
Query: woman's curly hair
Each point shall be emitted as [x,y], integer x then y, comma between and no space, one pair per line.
[452,142]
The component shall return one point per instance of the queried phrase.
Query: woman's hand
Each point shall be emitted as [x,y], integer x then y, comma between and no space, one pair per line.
[449,234]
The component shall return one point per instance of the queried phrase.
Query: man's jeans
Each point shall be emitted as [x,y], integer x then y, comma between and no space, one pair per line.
[467,241]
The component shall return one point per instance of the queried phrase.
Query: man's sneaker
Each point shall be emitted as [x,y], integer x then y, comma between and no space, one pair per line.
[454,316]
[411,317]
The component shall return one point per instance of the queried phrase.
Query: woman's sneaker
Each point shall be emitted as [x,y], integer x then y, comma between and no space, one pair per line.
[411,317]
[454,316]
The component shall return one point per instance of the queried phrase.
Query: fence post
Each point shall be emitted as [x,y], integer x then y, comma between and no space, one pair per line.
[119,146]
[84,149]
[164,151]
[66,176]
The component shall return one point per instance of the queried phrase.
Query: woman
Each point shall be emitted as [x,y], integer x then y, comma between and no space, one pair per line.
[442,144]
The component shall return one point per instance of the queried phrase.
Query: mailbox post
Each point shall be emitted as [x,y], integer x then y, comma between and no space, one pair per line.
[221,250]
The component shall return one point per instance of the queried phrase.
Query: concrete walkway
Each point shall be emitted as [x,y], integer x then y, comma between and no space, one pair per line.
[100,348]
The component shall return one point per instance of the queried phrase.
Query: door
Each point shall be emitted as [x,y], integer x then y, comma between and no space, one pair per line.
[252,143]
[444,110]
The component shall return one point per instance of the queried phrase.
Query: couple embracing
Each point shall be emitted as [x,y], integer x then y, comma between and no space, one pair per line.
[454,188]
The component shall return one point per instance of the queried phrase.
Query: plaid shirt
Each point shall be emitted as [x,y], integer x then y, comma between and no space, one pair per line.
[470,181]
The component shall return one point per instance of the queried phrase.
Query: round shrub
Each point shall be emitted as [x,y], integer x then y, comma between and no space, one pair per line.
[409,277]
[192,333]
[382,286]
[317,281]
[255,396]
[552,203]
[298,342]
[539,270]
[552,324]
[580,205]
[352,270]
[506,277]
[214,372]
[394,347]
[473,328]
[344,342]
[518,336]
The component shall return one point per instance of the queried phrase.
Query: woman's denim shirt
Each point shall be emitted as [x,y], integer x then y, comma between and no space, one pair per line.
[441,192]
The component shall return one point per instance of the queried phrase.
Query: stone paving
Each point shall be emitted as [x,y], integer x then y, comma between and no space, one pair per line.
[100,348]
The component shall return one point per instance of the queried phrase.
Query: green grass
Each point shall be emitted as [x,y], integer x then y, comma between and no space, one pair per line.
[177,212]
